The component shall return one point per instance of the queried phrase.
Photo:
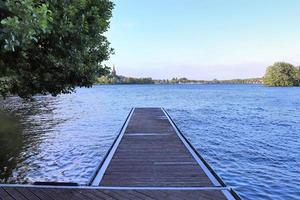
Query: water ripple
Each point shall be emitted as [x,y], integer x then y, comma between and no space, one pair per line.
[248,133]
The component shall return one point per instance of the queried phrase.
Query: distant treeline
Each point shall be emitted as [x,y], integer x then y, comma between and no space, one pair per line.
[279,74]
[130,80]
[215,81]
[123,80]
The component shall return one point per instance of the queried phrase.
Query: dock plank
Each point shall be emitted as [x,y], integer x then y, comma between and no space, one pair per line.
[5,195]
[40,194]
[96,194]
[149,141]
[27,193]
[15,194]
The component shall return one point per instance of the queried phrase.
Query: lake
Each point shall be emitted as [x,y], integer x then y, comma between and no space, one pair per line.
[249,134]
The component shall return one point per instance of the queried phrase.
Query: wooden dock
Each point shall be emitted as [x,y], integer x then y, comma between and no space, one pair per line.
[150,159]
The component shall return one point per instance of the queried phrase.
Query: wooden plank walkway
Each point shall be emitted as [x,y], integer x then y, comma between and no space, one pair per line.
[28,193]
[150,159]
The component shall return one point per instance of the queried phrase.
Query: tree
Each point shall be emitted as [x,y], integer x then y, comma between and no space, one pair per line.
[52,46]
[298,75]
[281,74]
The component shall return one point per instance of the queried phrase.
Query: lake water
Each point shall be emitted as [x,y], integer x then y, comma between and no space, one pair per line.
[250,134]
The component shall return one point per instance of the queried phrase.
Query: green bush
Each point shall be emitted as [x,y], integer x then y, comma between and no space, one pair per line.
[52,46]
[282,74]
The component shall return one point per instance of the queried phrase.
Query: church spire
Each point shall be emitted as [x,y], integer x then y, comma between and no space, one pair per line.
[113,72]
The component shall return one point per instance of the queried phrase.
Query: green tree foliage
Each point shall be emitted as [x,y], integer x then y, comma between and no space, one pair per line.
[282,74]
[106,80]
[52,46]
[131,80]
[123,80]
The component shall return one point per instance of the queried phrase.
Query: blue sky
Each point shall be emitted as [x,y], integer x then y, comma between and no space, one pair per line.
[203,39]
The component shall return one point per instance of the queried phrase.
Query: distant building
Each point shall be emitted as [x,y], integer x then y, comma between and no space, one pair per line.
[113,72]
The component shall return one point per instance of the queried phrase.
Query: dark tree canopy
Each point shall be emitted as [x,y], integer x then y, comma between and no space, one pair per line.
[282,74]
[52,46]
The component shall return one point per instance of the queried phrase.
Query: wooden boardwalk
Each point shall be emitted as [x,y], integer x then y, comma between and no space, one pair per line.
[150,159]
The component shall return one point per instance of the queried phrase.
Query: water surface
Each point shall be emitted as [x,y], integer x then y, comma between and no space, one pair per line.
[250,134]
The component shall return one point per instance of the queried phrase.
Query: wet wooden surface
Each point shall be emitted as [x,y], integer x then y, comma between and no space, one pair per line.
[93,194]
[151,154]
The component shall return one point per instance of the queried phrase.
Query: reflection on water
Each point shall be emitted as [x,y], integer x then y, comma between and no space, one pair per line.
[248,133]
[58,139]
[21,132]
[11,142]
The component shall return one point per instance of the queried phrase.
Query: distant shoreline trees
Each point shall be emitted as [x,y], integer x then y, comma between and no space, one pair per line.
[110,79]
[106,80]
[214,81]
[282,74]
[113,78]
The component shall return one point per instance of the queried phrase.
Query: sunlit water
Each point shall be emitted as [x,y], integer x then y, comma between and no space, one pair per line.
[250,134]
